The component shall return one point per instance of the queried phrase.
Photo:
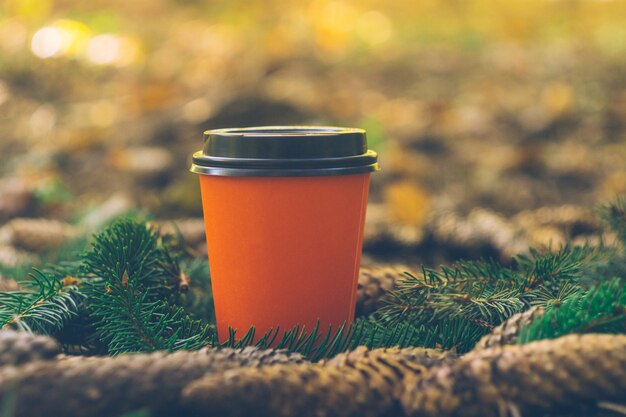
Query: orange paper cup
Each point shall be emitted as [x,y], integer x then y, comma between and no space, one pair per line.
[284,210]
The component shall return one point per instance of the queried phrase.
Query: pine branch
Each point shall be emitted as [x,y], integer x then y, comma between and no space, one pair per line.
[484,306]
[465,301]
[551,269]
[546,298]
[131,283]
[130,248]
[312,343]
[44,306]
[315,344]
[602,309]
[460,335]
[455,294]
[370,332]
[198,299]
[614,214]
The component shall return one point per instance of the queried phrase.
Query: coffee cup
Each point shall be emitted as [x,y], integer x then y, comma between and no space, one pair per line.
[284,210]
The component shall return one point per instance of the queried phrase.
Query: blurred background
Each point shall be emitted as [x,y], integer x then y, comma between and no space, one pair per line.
[499,124]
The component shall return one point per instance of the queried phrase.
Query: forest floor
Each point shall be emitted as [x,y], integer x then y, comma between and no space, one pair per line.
[491,136]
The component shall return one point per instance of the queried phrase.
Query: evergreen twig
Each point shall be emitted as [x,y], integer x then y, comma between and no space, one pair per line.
[472,297]
[614,214]
[602,309]
[43,306]
[131,278]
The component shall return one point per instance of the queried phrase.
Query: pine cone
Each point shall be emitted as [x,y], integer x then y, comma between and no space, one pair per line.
[39,234]
[507,332]
[300,390]
[555,225]
[20,347]
[17,197]
[360,383]
[568,218]
[379,231]
[480,228]
[110,386]
[418,357]
[374,283]
[569,374]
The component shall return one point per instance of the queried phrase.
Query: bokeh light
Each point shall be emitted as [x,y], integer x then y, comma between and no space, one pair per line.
[63,37]
[47,42]
[104,49]
[374,27]
[42,120]
[111,49]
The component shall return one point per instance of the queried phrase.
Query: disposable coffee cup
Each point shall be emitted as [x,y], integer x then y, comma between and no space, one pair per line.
[284,210]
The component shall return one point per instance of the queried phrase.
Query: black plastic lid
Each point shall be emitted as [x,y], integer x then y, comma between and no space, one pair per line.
[284,151]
